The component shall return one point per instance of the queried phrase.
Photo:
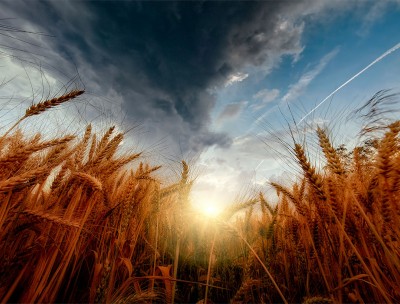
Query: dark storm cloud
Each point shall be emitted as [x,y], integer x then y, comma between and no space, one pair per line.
[163,57]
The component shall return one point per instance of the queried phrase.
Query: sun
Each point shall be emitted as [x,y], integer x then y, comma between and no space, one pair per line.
[210,206]
[210,209]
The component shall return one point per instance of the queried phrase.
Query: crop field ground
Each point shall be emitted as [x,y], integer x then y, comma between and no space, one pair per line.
[82,222]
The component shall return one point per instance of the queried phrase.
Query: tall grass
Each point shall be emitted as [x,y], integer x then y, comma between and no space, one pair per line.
[80,221]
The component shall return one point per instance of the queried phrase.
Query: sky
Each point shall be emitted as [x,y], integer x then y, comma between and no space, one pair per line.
[212,82]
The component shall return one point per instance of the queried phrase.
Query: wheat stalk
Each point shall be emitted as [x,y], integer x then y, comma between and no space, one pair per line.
[45,105]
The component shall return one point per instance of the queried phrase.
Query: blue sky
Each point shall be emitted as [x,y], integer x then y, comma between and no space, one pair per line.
[334,51]
[208,81]
[348,44]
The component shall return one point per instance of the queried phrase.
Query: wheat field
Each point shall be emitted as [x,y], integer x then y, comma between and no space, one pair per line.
[83,222]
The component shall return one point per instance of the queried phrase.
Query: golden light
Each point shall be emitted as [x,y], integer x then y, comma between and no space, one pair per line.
[210,209]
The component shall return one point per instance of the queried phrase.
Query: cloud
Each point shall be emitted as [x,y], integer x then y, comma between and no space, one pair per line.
[161,57]
[231,111]
[238,173]
[374,13]
[295,90]
[264,96]
[237,77]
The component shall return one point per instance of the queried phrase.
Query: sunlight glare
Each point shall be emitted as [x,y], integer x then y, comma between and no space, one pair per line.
[210,209]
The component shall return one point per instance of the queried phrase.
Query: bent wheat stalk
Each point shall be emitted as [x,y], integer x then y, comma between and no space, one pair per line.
[43,106]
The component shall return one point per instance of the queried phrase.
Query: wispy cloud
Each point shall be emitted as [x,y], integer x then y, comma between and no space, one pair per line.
[231,111]
[387,53]
[374,13]
[264,97]
[298,88]
[237,77]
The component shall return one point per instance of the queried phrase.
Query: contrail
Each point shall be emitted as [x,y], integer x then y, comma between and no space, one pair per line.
[388,52]
[259,165]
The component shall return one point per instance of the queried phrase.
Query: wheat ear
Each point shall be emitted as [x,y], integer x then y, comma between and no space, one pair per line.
[104,139]
[300,208]
[107,150]
[387,146]
[23,180]
[309,172]
[48,217]
[90,180]
[111,167]
[24,153]
[385,166]
[81,149]
[334,163]
[43,106]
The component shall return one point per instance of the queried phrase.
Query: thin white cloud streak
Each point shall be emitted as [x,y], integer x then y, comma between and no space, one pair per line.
[376,12]
[299,87]
[388,52]
[258,166]
[265,96]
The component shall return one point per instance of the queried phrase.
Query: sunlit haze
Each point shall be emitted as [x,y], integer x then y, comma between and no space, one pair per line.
[210,209]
